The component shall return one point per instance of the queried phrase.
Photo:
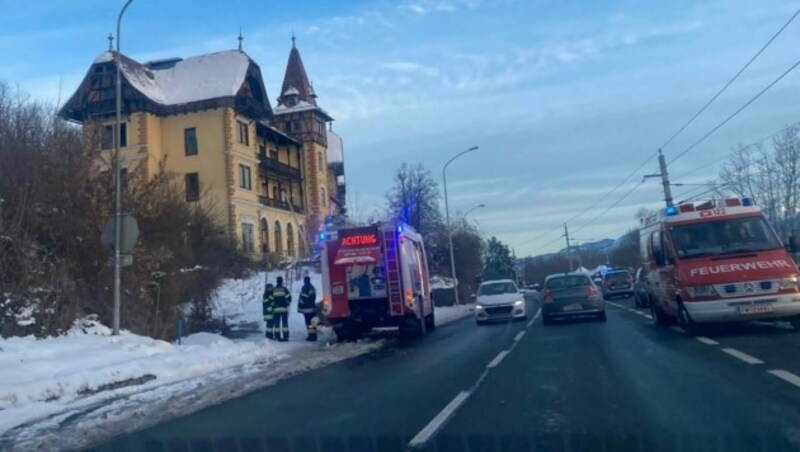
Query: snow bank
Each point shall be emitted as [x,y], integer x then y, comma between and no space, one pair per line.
[447,314]
[441,282]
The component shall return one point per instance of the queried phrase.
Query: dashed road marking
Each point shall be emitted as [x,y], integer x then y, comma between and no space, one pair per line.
[538,313]
[519,336]
[706,340]
[742,356]
[678,329]
[786,376]
[497,359]
[424,435]
[648,316]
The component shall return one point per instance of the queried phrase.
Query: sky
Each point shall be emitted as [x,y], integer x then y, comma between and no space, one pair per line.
[564,98]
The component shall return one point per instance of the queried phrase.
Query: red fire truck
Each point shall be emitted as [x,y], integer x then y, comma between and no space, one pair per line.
[717,261]
[376,276]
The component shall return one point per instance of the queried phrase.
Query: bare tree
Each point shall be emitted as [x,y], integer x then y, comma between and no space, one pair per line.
[415,198]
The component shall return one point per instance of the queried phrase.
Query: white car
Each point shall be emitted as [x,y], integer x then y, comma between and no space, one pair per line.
[499,300]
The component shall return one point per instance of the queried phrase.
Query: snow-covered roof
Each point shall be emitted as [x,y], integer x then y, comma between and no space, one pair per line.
[335,148]
[292,91]
[104,57]
[300,106]
[340,180]
[193,79]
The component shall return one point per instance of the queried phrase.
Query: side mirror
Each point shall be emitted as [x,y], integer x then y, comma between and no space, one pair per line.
[793,246]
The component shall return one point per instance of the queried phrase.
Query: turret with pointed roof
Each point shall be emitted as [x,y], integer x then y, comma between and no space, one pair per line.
[296,79]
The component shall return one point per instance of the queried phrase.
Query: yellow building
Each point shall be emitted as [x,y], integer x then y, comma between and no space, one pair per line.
[208,119]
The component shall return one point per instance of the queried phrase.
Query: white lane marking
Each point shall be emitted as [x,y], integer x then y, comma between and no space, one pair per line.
[742,356]
[786,376]
[425,434]
[678,329]
[497,359]
[648,316]
[706,340]
[538,313]
[519,336]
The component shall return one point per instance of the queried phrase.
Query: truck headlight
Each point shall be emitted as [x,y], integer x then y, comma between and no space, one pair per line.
[791,282]
[478,307]
[518,303]
[703,291]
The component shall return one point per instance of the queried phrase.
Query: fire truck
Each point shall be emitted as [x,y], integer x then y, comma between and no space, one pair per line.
[376,276]
[717,261]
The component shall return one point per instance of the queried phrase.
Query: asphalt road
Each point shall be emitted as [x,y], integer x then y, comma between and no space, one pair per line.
[577,385]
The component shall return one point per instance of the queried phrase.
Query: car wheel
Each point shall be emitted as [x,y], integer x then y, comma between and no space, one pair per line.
[602,316]
[686,323]
[659,317]
[636,301]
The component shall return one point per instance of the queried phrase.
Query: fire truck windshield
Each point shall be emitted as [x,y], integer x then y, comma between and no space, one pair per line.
[721,237]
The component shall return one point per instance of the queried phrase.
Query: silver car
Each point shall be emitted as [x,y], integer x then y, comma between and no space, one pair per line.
[571,295]
[617,283]
[499,300]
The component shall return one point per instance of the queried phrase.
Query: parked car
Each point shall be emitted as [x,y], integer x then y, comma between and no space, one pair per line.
[571,295]
[641,296]
[617,283]
[499,300]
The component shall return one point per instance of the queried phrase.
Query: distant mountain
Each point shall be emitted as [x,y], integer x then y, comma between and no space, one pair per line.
[600,245]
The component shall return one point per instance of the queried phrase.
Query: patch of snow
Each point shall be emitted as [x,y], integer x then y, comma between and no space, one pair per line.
[195,268]
[104,57]
[301,106]
[447,314]
[442,282]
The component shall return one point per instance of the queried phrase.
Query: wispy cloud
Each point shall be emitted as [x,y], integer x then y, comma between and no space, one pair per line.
[423,7]
[407,67]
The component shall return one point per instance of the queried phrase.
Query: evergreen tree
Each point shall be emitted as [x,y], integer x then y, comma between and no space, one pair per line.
[499,264]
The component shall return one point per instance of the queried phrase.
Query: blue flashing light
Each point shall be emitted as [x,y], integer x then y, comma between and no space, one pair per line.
[671,210]
[322,236]
[747,202]
[400,228]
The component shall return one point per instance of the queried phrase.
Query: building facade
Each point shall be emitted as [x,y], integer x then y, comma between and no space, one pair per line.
[208,120]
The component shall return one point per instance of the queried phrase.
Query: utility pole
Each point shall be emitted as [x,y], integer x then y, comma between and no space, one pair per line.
[569,248]
[662,166]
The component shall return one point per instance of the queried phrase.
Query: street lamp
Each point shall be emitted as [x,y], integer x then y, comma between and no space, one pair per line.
[117,182]
[447,217]
[464,217]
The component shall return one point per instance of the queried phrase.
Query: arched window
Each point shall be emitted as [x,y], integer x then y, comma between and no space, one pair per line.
[289,239]
[278,238]
[301,242]
[264,233]
[323,197]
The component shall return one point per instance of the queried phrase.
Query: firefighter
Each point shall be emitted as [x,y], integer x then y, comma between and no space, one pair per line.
[267,310]
[280,299]
[308,307]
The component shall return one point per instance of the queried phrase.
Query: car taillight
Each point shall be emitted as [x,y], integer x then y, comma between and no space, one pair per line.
[547,295]
[591,291]
[628,281]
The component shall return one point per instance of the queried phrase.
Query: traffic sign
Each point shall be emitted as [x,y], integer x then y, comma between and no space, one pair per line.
[129,235]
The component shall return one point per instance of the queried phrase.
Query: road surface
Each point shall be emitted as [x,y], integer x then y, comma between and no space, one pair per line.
[577,385]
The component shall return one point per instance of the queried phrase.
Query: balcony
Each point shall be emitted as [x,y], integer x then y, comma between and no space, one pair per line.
[276,168]
[280,204]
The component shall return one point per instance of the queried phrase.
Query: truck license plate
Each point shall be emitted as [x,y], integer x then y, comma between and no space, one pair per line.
[756,309]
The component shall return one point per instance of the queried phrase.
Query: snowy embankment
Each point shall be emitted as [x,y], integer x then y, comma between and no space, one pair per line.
[56,393]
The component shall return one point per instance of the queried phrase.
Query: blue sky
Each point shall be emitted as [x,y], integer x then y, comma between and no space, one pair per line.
[564,98]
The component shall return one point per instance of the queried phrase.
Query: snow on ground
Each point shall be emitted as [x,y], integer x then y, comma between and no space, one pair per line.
[89,385]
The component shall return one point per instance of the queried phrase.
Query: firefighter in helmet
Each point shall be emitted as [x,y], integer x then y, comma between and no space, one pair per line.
[308,307]
[280,300]
[267,311]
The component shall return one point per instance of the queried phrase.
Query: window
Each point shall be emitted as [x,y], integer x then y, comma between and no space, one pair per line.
[242,134]
[321,161]
[323,197]
[320,127]
[244,177]
[293,126]
[262,150]
[248,239]
[192,187]
[301,243]
[190,141]
[289,239]
[264,235]
[273,153]
[278,239]
[108,136]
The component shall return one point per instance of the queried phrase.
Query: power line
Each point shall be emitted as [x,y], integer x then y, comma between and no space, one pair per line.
[734,114]
[760,51]
[622,198]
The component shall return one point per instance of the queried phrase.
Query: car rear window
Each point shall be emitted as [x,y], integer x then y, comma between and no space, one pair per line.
[618,276]
[568,281]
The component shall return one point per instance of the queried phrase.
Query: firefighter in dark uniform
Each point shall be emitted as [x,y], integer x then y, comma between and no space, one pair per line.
[308,307]
[267,310]
[280,299]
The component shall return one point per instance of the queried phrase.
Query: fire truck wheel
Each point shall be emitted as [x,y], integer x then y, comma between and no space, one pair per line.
[686,323]
[411,328]
[430,322]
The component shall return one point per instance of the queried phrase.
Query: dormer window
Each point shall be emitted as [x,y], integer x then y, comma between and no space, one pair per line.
[291,96]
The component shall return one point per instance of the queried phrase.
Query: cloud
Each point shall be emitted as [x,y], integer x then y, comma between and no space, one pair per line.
[423,7]
[407,67]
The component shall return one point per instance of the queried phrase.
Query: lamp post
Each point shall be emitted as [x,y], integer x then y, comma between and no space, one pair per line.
[447,217]
[117,182]
[464,217]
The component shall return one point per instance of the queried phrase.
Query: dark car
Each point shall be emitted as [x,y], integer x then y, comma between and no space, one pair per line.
[571,295]
[641,296]
[617,283]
